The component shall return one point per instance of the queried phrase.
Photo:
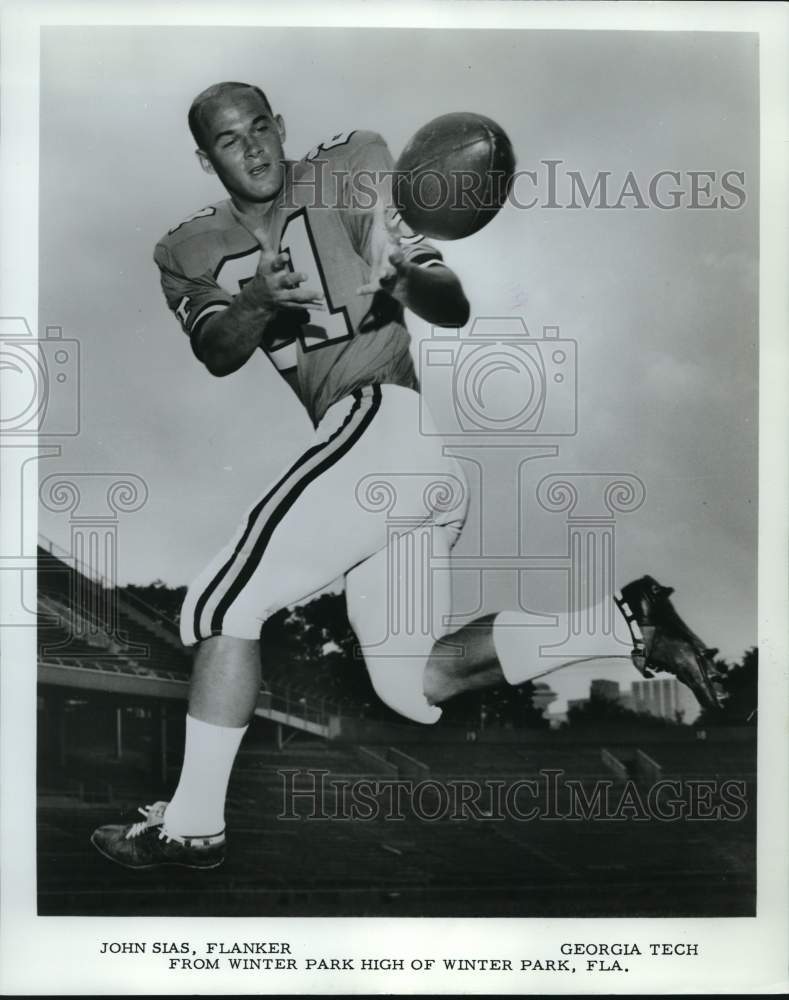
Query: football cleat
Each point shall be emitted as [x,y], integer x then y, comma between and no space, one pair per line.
[147,844]
[662,642]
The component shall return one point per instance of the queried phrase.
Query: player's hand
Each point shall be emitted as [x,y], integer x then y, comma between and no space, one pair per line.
[390,270]
[280,288]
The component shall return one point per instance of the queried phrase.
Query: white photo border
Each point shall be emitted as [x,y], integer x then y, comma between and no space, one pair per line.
[59,955]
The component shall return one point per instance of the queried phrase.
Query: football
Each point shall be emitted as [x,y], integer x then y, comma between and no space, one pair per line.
[454,175]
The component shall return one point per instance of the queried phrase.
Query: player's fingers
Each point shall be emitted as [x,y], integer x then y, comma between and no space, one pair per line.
[396,257]
[303,306]
[304,296]
[387,275]
[392,223]
[279,261]
[382,283]
[291,279]
[265,263]
[379,208]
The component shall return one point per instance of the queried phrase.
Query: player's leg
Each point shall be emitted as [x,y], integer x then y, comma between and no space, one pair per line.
[223,692]
[507,647]
[660,642]
[225,680]
[413,664]
[397,615]
[189,830]
[301,535]
[398,610]
[476,669]
[415,667]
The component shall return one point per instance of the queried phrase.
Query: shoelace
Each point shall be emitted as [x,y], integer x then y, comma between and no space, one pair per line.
[153,815]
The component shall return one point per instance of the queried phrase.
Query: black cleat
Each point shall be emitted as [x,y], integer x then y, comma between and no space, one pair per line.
[663,642]
[148,845]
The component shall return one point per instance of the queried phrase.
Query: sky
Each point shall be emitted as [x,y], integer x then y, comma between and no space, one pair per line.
[661,303]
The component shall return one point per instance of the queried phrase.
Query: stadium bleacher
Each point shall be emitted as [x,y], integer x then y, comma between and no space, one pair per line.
[140,636]
[465,759]
[704,760]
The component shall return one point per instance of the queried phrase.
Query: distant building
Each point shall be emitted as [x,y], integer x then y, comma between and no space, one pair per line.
[665,697]
[608,690]
[598,689]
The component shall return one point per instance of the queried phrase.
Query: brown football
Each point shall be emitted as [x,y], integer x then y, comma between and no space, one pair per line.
[454,175]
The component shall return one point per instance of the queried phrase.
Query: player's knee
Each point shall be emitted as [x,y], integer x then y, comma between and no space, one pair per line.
[399,683]
[223,651]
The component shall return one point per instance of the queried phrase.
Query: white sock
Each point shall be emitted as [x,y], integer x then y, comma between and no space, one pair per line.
[198,805]
[527,651]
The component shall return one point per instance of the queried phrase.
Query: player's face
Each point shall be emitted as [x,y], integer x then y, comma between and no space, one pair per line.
[242,145]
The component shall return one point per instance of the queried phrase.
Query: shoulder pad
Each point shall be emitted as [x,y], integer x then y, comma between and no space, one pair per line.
[204,220]
[344,146]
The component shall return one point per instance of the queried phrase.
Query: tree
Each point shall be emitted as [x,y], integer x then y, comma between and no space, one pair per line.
[159,596]
[739,683]
[601,711]
[311,648]
[503,706]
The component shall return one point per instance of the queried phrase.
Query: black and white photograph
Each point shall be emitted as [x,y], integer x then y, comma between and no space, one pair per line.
[394,517]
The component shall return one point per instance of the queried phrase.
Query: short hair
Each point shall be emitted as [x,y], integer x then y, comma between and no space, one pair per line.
[217,90]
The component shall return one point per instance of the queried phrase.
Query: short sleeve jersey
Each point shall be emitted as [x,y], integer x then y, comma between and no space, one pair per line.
[322,220]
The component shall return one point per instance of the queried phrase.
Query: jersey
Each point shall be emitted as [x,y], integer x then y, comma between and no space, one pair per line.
[322,221]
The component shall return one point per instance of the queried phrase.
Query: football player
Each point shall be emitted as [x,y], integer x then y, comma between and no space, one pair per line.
[307,261]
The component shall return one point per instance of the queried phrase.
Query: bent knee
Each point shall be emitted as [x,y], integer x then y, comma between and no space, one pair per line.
[399,683]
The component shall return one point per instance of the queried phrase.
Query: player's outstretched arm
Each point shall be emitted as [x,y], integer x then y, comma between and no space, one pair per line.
[435,293]
[228,339]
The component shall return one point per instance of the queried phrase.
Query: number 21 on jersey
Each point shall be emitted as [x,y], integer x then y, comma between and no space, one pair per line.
[298,243]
